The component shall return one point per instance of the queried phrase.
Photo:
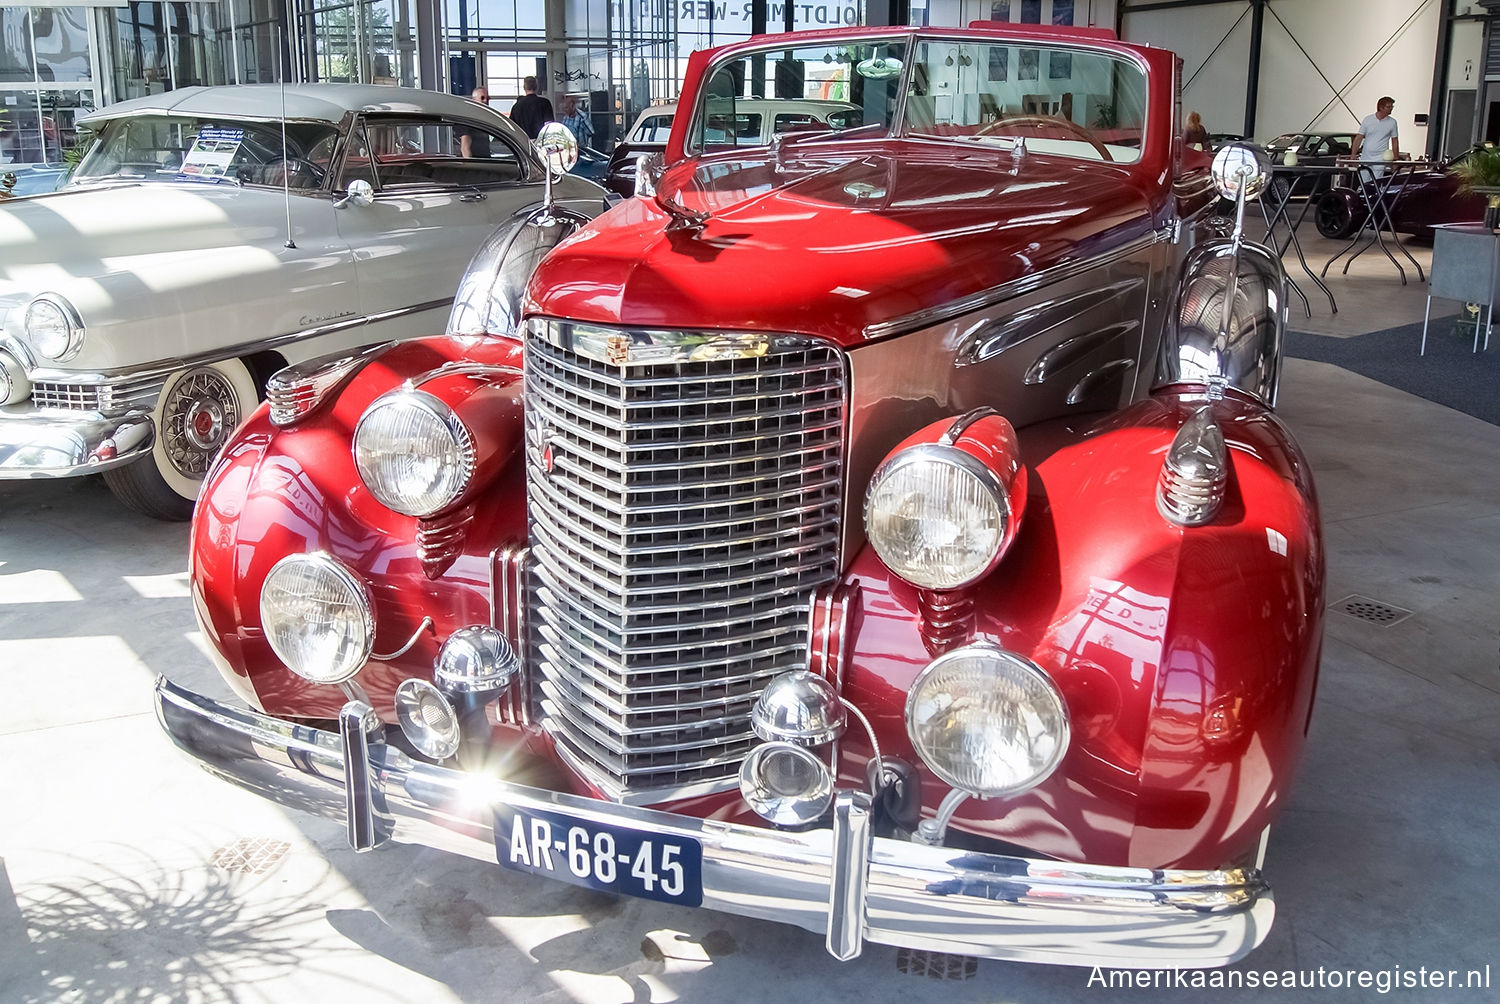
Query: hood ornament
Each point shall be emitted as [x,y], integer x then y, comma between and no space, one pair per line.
[683,218]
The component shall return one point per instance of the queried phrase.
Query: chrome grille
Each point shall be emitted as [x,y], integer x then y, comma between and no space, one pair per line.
[112,396]
[682,513]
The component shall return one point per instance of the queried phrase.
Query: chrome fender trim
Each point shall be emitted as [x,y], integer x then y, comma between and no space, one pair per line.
[494,285]
[1248,356]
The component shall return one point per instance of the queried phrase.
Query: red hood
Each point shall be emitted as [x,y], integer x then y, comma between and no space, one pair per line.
[836,239]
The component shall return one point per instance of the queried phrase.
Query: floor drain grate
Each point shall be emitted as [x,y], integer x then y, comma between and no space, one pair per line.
[1370,610]
[251,855]
[936,965]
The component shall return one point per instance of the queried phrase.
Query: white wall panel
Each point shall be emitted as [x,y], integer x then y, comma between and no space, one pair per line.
[1355,44]
[1214,80]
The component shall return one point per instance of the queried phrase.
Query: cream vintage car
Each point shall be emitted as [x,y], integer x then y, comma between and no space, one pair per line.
[212,236]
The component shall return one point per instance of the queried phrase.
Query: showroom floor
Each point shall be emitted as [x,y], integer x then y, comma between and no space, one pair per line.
[128,874]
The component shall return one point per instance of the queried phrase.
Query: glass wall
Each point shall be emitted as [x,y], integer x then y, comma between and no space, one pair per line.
[152,46]
[360,41]
[47,80]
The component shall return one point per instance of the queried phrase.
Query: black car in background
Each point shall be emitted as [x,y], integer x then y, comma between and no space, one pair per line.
[1310,147]
[648,134]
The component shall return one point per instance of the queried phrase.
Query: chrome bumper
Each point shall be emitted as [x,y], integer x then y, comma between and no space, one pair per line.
[57,443]
[990,905]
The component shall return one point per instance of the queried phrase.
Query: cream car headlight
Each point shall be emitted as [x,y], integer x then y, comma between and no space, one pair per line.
[987,721]
[53,327]
[317,616]
[936,516]
[413,453]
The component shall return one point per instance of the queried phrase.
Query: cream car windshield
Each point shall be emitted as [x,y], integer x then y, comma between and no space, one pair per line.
[1056,100]
[830,90]
[178,148]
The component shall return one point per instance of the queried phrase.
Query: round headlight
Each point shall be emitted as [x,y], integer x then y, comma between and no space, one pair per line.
[987,721]
[936,517]
[53,328]
[413,453]
[317,616]
[14,384]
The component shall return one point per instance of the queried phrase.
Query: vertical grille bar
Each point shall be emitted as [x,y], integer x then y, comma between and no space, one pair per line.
[682,513]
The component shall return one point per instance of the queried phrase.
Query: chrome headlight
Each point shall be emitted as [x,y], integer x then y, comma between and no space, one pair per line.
[987,721]
[53,327]
[317,616]
[14,384]
[936,516]
[413,453]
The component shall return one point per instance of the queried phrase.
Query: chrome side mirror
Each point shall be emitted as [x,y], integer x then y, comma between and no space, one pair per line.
[1239,167]
[359,193]
[559,151]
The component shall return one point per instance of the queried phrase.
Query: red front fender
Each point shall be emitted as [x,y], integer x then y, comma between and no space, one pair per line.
[1187,656]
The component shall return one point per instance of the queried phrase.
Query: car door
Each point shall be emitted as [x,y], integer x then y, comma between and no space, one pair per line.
[433,206]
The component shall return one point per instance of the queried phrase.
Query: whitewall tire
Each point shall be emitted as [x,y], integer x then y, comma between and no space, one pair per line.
[195,415]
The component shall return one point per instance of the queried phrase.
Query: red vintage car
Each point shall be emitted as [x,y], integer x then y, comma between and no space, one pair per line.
[884,530]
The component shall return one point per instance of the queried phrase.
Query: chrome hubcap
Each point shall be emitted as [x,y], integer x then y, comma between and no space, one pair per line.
[196,419]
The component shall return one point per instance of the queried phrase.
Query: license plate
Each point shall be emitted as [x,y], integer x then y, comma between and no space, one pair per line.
[600,855]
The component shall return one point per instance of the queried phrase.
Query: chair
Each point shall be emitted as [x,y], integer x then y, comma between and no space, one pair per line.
[1464,261]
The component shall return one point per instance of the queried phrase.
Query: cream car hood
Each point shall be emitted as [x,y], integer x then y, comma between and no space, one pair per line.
[167,270]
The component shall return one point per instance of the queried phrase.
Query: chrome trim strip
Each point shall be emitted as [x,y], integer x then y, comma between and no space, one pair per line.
[848,888]
[937,898]
[1006,290]
[165,368]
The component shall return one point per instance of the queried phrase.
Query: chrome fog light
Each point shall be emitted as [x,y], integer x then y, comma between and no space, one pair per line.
[318,617]
[14,384]
[987,721]
[475,660]
[936,517]
[427,719]
[799,708]
[785,784]
[413,453]
[53,327]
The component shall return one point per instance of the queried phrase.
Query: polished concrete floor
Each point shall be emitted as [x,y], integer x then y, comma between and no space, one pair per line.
[127,874]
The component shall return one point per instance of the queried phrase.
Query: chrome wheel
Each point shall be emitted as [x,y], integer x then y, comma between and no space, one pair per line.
[200,411]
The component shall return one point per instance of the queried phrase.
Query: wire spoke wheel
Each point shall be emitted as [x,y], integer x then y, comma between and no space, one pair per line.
[197,412]
[200,412]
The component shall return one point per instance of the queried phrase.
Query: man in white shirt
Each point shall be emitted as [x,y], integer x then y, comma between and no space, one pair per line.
[1377,134]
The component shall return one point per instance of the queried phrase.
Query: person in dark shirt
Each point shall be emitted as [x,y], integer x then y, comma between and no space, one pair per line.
[474,142]
[532,111]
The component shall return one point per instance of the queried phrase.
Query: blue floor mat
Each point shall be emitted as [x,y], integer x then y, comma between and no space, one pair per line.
[1449,374]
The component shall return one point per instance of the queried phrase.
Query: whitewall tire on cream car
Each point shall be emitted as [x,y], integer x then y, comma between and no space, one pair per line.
[197,411]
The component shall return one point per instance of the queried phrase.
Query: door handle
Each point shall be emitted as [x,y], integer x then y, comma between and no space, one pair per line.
[472,197]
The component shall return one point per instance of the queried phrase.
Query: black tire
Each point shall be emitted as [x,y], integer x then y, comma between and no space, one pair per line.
[1334,216]
[195,415]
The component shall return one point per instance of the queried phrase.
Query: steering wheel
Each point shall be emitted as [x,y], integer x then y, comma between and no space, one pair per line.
[1047,122]
[300,165]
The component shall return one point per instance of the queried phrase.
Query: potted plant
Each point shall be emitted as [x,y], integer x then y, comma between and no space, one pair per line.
[1479,171]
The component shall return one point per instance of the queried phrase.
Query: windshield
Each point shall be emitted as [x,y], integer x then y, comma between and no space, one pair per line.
[1057,100]
[828,89]
[180,148]
[1062,100]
